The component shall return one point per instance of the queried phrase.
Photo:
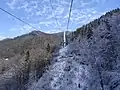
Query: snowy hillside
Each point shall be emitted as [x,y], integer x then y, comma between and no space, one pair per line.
[61,73]
[90,62]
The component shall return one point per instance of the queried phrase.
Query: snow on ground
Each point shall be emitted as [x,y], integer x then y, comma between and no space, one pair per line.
[64,74]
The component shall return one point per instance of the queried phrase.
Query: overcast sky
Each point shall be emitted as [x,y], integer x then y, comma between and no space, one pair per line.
[39,14]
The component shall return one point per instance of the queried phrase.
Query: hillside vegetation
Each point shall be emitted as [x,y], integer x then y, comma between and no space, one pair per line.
[25,58]
[91,61]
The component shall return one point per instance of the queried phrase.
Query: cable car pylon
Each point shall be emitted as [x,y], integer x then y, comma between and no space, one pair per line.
[64,36]
[64,39]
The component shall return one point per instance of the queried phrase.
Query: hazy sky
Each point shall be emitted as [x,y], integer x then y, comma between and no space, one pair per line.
[39,14]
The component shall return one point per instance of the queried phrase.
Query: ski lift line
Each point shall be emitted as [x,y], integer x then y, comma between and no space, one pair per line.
[54,13]
[69,14]
[18,18]
[64,37]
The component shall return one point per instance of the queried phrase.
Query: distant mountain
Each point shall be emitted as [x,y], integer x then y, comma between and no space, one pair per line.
[25,55]
[32,33]
[37,33]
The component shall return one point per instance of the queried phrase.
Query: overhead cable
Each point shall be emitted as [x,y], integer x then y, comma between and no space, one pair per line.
[18,18]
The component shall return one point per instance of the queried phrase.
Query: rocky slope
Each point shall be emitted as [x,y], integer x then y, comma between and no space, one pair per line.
[90,62]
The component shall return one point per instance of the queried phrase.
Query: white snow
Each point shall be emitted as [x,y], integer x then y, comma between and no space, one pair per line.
[66,74]
[6,59]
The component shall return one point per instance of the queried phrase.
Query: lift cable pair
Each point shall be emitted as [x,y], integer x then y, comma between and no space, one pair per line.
[64,36]
[70,10]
